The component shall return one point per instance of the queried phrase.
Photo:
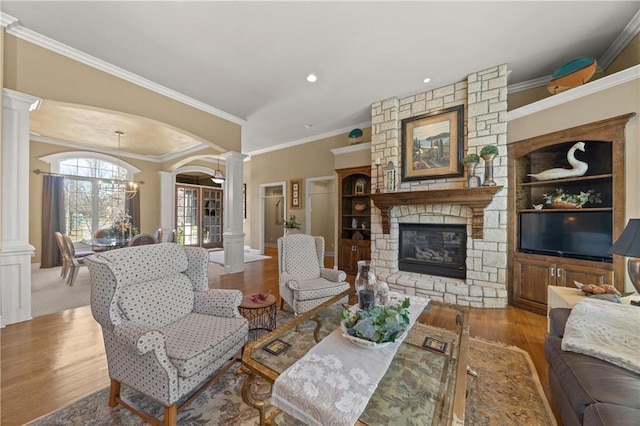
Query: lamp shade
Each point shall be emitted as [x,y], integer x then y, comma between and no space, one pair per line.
[629,242]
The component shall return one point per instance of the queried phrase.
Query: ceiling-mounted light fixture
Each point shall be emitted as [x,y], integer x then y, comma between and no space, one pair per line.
[129,188]
[218,176]
[312,78]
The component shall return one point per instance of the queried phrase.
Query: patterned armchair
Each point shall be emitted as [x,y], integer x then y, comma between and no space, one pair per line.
[304,281]
[165,332]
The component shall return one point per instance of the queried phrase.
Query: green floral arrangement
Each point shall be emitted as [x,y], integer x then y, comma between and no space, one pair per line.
[489,149]
[379,324]
[559,195]
[471,158]
[291,223]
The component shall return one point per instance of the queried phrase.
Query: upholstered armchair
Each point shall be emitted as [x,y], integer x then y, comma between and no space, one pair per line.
[165,332]
[304,281]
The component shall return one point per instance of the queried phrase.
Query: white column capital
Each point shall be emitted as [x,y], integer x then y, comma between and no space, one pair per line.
[19,101]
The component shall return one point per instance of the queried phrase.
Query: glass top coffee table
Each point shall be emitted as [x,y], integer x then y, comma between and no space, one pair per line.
[425,382]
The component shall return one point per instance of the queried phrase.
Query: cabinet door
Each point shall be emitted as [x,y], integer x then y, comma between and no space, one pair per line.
[530,284]
[363,253]
[347,257]
[570,273]
[351,252]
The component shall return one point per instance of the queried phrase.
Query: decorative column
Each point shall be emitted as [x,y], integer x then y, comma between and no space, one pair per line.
[233,235]
[167,203]
[15,294]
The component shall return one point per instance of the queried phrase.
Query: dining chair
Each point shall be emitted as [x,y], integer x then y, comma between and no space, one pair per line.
[101,236]
[63,253]
[158,235]
[75,259]
[142,239]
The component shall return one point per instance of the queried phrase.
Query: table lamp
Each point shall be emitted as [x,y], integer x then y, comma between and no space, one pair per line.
[629,245]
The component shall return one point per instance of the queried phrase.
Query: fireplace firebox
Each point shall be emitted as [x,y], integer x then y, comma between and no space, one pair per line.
[433,249]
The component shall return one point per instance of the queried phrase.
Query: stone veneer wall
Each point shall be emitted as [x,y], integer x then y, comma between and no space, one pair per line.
[484,95]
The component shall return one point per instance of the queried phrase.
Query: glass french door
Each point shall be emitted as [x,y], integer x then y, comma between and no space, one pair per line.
[199,216]
[212,218]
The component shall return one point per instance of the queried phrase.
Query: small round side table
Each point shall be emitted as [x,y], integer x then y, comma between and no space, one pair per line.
[261,315]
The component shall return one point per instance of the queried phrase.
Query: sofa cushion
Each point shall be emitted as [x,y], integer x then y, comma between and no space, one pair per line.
[587,380]
[157,302]
[610,415]
[196,340]
[318,288]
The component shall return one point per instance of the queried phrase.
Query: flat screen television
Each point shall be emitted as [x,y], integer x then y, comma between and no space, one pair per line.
[579,235]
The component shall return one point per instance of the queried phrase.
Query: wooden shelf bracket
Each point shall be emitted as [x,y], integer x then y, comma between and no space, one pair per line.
[476,198]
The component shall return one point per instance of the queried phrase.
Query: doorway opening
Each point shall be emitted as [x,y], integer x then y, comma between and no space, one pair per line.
[273,208]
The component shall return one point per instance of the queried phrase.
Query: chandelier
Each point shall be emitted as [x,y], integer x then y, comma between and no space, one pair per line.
[130,188]
[218,176]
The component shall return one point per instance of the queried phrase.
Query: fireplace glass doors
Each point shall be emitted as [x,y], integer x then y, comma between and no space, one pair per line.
[433,249]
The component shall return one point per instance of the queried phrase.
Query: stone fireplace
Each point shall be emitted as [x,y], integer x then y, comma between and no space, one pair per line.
[446,201]
[433,249]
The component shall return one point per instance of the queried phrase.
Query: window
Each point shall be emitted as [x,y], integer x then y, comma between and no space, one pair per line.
[93,190]
[92,200]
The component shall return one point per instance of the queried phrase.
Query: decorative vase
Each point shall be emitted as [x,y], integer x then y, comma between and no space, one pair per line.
[488,169]
[473,181]
[289,231]
[366,285]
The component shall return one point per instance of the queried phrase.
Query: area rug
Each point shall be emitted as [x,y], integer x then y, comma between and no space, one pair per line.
[507,391]
[50,292]
[218,257]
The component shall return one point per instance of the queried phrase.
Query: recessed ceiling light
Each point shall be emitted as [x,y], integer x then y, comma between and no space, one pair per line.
[312,78]
[308,126]
[426,80]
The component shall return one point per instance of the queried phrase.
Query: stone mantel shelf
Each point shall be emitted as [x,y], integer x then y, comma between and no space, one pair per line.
[476,198]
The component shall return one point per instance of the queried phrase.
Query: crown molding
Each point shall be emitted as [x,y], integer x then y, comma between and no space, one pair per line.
[630,31]
[150,158]
[529,84]
[309,139]
[595,86]
[62,49]
[352,148]
[7,21]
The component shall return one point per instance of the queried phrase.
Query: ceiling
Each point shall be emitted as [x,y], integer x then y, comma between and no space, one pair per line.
[250,59]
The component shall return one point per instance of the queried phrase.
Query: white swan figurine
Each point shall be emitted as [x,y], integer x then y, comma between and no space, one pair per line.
[579,168]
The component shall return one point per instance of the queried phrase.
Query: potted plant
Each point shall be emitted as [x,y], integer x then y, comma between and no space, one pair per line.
[291,225]
[489,150]
[471,158]
[559,199]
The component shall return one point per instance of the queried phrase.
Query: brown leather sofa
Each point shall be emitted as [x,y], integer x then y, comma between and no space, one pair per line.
[587,390]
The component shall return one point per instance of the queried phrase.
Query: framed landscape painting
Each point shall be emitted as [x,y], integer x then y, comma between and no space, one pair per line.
[433,144]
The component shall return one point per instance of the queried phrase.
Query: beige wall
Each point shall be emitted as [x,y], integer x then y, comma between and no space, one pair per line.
[618,100]
[629,57]
[39,72]
[149,193]
[313,159]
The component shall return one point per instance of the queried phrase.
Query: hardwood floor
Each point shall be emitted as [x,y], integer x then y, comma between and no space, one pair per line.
[54,360]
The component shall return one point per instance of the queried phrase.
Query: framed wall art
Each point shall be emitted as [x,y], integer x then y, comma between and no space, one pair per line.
[295,194]
[433,144]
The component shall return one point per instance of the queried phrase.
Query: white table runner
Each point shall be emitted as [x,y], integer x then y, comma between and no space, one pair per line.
[333,382]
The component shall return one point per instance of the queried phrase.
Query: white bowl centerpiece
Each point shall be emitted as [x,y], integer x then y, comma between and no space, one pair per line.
[376,327]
